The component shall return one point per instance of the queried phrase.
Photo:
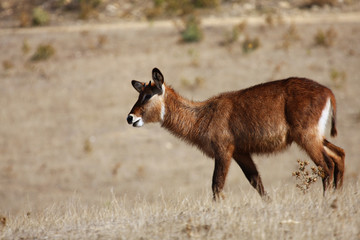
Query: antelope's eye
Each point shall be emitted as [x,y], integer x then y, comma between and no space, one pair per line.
[147,97]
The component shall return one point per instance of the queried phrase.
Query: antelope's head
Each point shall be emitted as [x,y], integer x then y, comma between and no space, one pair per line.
[150,106]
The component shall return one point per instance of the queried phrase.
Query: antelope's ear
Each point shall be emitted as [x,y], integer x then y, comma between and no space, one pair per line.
[158,78]
[139,86]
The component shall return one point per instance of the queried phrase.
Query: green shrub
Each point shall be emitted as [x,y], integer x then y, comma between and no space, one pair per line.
[43,52]
[192,31]
[206,3]
[319,3]
[40,17]
[178,7]
[250,44]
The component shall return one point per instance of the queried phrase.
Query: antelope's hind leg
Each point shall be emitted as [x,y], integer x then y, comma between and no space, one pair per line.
[316,151]
[248,166]
[337,154]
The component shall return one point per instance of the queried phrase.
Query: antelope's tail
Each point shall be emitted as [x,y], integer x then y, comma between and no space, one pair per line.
[333,131]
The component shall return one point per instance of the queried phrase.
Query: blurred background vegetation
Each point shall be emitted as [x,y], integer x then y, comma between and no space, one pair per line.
[25,13]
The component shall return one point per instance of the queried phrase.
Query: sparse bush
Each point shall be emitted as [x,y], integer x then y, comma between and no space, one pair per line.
[7,65]
[88,7]
[194,57]
[25,47]
[319,3]
[250,44]
[241,26]
[2,221]
[233,35]
[192,31]
[178,7]
[169,8]
[40,17]
[88,144]
[43,52]
[230,37]
[154,12]
[325,39]
[192,84]
[24,19]
[269,20]
[85,8]
[306,178]
[338,78]
[101,40]
[116,168]
[290,36]
[206,3]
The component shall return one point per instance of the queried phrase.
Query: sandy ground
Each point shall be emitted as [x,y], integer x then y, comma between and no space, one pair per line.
[63,131]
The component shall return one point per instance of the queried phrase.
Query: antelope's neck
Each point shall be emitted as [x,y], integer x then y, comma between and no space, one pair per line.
[181,115]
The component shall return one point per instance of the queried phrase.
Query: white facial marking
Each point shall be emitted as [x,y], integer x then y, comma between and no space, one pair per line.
[324,117]
[136,121]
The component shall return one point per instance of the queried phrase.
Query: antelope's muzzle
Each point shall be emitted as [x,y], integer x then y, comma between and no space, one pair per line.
[129,119]
[134,120]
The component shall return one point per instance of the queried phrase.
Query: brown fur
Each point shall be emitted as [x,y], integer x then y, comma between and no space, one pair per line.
[265,118]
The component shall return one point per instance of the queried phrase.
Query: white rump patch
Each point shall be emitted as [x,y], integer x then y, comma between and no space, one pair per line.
[324,118]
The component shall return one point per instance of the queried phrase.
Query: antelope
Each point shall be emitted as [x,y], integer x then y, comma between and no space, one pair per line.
[262,119]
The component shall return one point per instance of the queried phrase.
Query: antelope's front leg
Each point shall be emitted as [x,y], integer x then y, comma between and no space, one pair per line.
[220,171]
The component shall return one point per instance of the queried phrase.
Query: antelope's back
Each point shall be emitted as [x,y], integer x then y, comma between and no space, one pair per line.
[263,116]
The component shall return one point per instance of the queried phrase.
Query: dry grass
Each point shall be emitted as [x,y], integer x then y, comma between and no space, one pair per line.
[65,141]
[290,215]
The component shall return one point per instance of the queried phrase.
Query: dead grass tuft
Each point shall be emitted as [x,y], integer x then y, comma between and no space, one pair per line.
[25,47]
[195,57]
[2,221]
[325,39]
[192,84]
[306,178]
[232,36]
[7,65]
[88,8]
[290,36]
[24,19]
[88,144]
[101,40]
[338,78]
